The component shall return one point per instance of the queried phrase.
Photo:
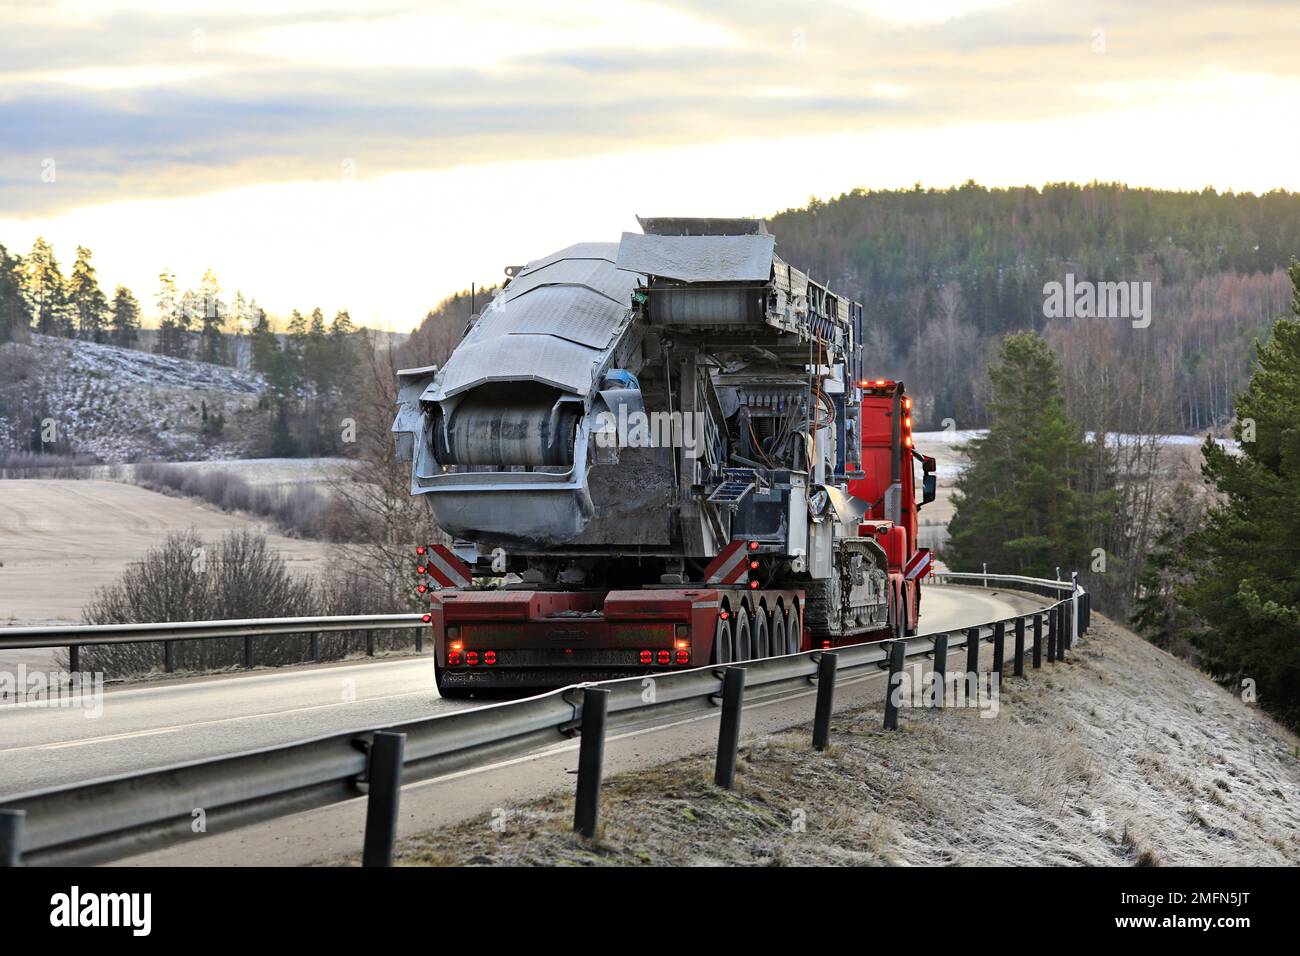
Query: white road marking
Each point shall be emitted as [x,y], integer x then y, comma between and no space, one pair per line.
[153,731]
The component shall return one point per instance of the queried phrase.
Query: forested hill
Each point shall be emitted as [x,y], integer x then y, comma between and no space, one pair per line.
[942,271]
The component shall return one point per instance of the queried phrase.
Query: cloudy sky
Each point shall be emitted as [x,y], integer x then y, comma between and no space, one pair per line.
[379,155]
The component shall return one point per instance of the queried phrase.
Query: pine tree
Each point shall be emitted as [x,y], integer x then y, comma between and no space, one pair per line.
[189,310]
[1244,586]
[316,358]
[168,324]
[86,299]
[266,347]
[15,316]
[212,338]
[342,356]
[45,290]
[124,318]
[1021,504]
[1159,616]
[295,342]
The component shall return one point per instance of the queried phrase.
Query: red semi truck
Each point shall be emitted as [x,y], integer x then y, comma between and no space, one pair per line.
[515,636]
[659,454]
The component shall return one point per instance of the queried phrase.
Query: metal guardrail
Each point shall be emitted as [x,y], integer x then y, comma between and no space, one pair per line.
[120,816]
[76,636]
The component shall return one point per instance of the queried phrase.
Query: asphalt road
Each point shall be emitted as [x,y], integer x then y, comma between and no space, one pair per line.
[145,726]
[490,793]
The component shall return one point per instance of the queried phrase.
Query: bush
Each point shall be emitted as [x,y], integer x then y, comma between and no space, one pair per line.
[29,464]
[300,511]
[239,577]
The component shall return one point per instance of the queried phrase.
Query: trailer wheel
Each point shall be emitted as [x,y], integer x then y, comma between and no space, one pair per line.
[779,646]
[722,643]
[793,630]
[744,646]
[762,645]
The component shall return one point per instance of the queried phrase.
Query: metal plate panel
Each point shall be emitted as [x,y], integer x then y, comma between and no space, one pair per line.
[553,323]
[579,250]
[595,274]
[506,358]
[572,313]
[698,258]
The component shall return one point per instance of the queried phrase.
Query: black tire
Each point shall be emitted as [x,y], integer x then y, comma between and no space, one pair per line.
[743,643]
[723,652]
[761,638]
[793,631]
[909,630]
[779,646]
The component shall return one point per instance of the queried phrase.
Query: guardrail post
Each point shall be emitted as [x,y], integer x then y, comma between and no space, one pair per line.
[248,652]
[1051,635]
[169,656]
[370,643]
[385,776]
[1020,647]
[897,650]
[999,646]
[74,658]
[11,837]
[419,640]
[733,698]
[972,662]
[591,760]
[315,647]
[1063,629]
[940,673]
[1072,611]
[826,669]
[1038,641]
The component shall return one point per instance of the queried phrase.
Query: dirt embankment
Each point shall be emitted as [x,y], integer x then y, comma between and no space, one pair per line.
[1121,756]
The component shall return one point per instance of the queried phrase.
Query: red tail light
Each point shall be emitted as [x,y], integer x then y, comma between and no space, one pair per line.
[664,657]
[453,657]
[683,657]
[422,588]
[647,657]
[420,549]
[489,657]
[426,618]
[471,657]
[421,569]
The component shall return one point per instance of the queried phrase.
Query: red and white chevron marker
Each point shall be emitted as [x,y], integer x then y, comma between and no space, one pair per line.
[918,565]
[731,566]
[447,570]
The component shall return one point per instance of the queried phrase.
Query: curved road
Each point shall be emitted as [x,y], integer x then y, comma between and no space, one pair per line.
[144,726]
